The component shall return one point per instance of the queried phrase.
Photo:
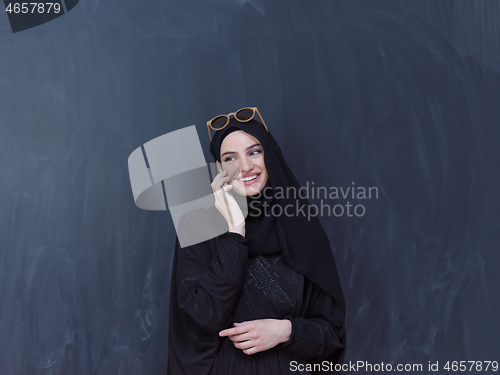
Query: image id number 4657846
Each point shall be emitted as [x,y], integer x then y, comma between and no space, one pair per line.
[33,8]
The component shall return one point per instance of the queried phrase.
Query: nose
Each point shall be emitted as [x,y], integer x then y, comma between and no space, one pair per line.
[245,165]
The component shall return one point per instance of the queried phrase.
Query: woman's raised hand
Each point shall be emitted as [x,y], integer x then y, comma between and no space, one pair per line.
[227,205]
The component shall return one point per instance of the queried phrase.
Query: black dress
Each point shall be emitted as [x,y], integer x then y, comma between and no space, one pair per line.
[217,282]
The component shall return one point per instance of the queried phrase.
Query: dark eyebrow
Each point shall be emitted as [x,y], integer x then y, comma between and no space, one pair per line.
[248,148]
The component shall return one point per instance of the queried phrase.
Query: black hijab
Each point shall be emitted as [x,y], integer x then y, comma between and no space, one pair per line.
[302,240]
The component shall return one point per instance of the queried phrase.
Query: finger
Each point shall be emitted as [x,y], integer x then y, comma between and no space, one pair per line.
[221,182]
[224,333]
[227,188]
[233,331]
[251,350]
[217,177]
[225,198]
[232,170]
[216,185]
[242,324]
[231,336]
[227,332]
[244,345]
[243,337]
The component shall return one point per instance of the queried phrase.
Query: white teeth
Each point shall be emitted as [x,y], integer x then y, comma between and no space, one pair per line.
[249,178]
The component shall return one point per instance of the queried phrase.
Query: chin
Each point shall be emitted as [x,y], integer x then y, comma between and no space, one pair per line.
[239,189]
[252,191]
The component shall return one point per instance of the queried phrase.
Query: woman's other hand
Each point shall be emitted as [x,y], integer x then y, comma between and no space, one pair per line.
[238,220]
[258,335]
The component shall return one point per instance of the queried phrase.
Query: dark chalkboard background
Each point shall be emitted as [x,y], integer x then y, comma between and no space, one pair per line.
[401,95]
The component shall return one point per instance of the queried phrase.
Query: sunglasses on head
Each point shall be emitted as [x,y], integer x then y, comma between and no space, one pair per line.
[241,115]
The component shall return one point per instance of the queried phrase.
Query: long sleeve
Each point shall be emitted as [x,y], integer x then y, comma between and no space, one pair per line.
[210,280]
[320,333]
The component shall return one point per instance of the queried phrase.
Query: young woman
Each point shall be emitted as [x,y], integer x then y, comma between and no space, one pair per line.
[264,298]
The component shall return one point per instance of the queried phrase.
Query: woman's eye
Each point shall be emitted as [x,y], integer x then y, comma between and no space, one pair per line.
[254,152]
[228,159]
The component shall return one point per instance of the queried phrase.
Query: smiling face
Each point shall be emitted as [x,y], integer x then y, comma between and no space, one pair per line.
[246,152]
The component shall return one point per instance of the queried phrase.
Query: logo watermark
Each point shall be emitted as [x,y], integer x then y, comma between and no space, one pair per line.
[328,201]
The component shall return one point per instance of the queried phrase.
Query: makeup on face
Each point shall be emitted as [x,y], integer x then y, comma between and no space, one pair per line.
[246,152]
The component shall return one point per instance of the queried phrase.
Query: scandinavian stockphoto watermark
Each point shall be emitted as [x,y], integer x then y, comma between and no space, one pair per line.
[333,201]
[365,366]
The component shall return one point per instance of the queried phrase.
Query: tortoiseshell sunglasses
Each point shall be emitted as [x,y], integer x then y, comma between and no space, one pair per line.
[241,115]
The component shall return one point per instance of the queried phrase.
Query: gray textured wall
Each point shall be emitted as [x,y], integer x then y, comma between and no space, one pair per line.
[401,95]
